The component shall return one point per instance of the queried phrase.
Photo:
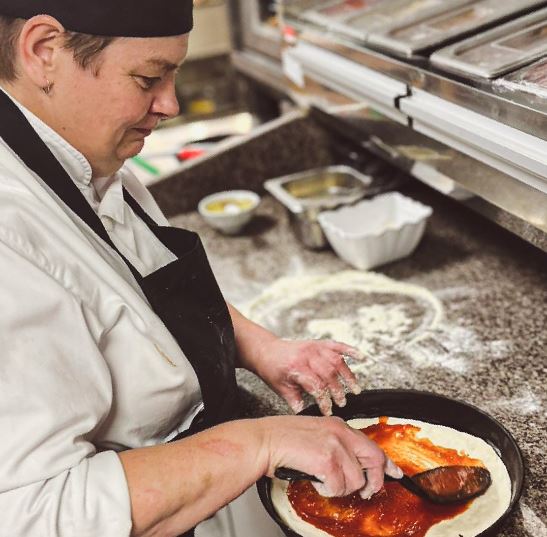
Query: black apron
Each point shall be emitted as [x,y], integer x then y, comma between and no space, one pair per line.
[184,293]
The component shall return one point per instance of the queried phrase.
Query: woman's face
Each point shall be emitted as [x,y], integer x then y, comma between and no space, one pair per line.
[107,110]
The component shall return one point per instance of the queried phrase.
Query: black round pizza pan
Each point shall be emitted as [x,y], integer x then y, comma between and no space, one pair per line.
[432,408]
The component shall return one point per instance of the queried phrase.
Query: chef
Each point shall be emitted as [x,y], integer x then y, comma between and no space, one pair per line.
[117,383]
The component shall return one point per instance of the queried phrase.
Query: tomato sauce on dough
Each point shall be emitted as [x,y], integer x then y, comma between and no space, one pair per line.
[393,511]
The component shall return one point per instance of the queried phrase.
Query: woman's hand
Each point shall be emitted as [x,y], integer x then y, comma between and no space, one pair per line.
[174,486]
[344,459]
[291,368]
[316,367]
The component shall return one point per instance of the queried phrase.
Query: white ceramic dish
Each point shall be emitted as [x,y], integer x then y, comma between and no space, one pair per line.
[230,210]
[376,231]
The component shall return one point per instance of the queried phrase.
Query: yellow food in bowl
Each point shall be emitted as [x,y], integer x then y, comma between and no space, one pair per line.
[229,205]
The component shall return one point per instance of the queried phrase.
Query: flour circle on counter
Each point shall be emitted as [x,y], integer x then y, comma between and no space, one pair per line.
[482,513]
[368,311]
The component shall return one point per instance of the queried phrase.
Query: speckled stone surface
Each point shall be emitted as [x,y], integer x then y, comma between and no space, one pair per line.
[493,288]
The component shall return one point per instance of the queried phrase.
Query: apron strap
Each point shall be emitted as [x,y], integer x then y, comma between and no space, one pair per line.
[36,155]
[138,210]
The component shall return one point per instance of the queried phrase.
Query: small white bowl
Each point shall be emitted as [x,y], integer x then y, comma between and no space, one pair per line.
[376,231]
[230,210]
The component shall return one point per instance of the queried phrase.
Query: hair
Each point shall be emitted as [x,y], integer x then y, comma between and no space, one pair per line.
[85,48]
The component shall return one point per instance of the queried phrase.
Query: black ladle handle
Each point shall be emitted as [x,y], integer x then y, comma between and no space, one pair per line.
[288,474]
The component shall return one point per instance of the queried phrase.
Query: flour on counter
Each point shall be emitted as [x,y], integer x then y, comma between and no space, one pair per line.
[385,319]
[525,404]
[387,323]
[532,523]
[455,348]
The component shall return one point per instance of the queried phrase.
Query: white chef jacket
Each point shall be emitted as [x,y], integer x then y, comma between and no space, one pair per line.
[86,366]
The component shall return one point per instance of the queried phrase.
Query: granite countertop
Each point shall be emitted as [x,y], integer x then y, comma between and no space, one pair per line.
[492,342]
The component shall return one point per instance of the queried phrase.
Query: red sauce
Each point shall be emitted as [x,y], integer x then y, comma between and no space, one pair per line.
[411,453]
[394,511]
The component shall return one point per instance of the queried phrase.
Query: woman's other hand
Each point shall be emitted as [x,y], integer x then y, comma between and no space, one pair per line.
[292,367]
[344,459]
[317,367]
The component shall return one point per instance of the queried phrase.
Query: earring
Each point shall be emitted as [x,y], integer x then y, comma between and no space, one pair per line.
[47,88]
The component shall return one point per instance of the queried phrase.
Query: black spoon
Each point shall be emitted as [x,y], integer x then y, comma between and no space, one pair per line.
[445,484]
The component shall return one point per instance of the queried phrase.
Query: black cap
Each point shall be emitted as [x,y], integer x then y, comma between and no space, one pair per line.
[115,18]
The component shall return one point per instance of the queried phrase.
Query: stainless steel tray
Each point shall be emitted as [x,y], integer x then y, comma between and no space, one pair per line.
[295,8]
[325,188]
[333,13]
[386,14]
[498,51]
[306,194]
[429,31]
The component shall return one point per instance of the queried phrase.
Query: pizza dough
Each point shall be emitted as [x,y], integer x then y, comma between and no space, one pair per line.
[481,514]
